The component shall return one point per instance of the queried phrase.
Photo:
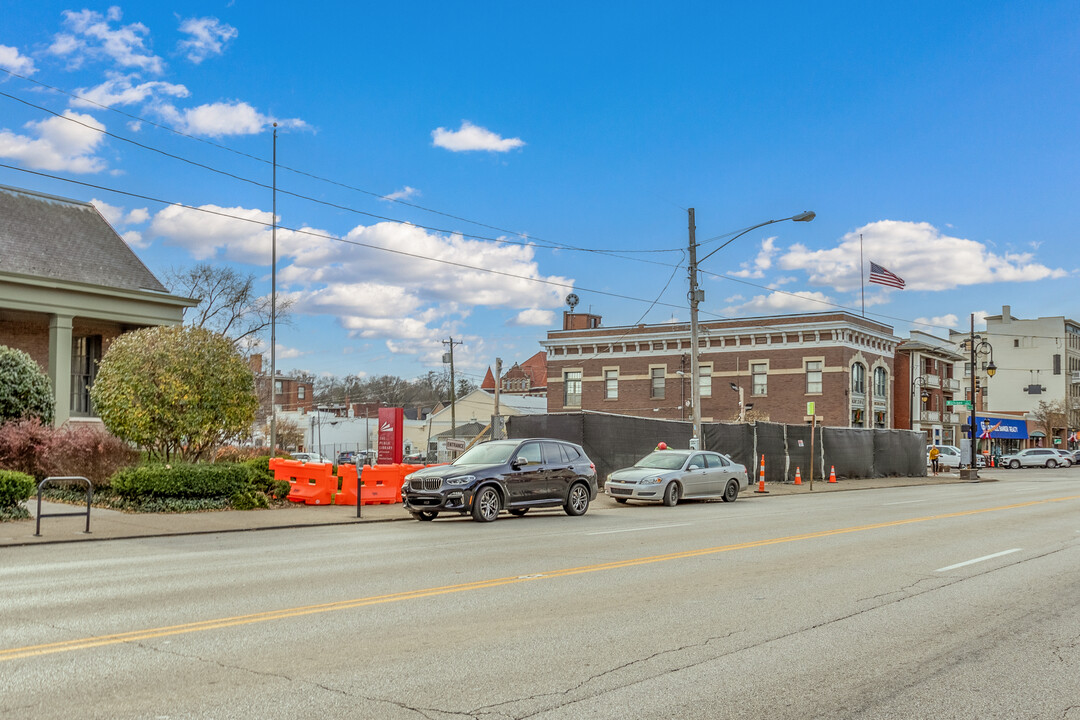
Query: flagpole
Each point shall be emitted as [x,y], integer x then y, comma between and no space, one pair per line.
[862,283]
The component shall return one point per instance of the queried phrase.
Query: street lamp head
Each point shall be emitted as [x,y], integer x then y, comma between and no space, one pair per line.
[748,406]
[734,387]
[806,216]
[991,369]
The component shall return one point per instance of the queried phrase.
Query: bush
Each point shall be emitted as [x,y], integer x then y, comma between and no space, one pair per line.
[89,451]
[25,390]
[250,501]
[262,478]
[24,447]
[232,453]
[280,489]
[43,451]
[222,480]
[15,487]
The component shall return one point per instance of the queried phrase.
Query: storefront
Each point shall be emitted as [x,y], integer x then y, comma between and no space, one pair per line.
[1000,435]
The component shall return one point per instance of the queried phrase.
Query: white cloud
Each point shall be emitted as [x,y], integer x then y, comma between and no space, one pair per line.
[121,89]
[374,293]
[59,145]
[209,36]
[776,303]
[761,263]
[532,316]
[921,254]
[223,118]
[92,35]
[117,216]
[10,59]
[472,137]
[135,239]
[288,353]
[403,194]
[949,320]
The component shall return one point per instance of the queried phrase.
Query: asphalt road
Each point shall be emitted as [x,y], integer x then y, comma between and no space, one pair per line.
[949,601]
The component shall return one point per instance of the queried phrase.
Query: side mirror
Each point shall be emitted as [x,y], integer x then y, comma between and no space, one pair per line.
[694,467]
[521,461]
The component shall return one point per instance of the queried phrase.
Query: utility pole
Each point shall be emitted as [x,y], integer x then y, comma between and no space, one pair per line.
[496,421]
[449,358]
[273,304]
[695,298]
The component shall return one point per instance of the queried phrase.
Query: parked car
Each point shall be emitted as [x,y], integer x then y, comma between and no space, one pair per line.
[309,457]
[671,475]
[347,457]
[414,458]
[1066,457]
[515,475]
[1032,457]
[949,456]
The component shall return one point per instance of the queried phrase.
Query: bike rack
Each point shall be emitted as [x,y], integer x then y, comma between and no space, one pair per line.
[89,493]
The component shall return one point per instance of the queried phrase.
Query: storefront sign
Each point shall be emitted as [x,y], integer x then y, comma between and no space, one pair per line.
[391,424]
[1001,428]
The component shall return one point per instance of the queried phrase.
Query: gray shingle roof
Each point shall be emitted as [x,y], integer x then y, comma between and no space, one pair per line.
[68,240]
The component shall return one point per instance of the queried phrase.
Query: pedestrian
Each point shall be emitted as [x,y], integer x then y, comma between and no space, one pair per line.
[934,452]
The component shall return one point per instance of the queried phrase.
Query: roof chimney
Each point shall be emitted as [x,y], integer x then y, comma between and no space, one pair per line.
[1006,313]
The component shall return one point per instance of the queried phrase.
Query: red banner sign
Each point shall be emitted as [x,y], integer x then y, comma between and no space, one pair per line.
[391,436]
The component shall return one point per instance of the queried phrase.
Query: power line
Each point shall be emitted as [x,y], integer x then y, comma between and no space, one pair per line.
[535,239]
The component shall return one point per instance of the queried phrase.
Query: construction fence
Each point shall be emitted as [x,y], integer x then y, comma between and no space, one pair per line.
[618,441]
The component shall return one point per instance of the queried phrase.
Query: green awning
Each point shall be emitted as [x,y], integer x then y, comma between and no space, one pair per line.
[1037,434]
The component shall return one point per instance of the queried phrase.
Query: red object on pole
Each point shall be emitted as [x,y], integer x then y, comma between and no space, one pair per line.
[832,473]
[761,478]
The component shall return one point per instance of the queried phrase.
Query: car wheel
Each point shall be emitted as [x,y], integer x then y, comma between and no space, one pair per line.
[425,515]
[672,493]
[1051,464]
[577,502]
[621,501]
[1015,464]
[486,504]
[730,492]
[518,512]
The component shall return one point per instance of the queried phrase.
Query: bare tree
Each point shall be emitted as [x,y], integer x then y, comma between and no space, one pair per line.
[228,304]
[289,434]
[1047,416]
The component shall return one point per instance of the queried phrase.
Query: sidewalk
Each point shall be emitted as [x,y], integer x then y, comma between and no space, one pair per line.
[112,524]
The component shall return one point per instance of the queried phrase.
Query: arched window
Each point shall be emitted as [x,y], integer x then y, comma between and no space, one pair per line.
[858,378]
[881,382]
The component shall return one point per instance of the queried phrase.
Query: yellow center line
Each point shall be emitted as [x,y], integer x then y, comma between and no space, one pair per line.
[219,623]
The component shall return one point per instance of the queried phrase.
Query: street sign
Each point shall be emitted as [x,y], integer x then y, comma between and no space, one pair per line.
[958,402]
[454,444]
[809,408]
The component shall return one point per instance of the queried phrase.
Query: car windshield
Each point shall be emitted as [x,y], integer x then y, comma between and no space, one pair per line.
[488,453]
[662,460]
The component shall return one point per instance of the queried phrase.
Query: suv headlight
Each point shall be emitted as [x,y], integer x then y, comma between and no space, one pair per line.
[460,480]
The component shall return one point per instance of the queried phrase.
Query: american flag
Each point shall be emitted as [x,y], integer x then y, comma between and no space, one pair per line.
[881,276]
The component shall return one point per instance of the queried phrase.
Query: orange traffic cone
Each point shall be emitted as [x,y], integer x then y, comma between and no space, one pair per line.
[832,473]
[798,476]
[761,478]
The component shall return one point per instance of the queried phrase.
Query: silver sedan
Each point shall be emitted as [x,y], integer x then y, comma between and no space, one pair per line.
[670,475]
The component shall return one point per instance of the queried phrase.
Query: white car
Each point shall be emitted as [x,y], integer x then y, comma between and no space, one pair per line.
[951,457]
[668,476]
[309,457]
[1033,457]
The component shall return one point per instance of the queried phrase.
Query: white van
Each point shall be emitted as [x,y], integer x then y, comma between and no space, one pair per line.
[951,457]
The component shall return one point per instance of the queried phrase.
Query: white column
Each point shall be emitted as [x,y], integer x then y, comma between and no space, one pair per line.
[60,366]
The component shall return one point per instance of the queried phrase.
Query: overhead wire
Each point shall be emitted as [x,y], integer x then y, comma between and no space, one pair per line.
[532,238]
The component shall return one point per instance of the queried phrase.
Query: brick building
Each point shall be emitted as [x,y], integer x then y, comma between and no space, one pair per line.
[929,372]
[527,378]
[841,362]
[291,394]
[69,286]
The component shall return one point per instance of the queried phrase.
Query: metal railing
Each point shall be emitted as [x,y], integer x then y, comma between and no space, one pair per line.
[89,495]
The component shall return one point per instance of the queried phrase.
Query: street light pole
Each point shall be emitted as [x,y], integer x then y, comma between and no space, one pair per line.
[695,297]
[976,349]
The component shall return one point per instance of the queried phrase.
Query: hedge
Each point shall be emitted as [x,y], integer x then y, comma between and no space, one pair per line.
[15,487]
[183,481]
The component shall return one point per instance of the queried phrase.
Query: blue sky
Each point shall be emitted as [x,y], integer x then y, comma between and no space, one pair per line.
[944,133]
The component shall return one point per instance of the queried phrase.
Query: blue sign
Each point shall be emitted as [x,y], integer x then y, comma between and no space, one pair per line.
[1001,428]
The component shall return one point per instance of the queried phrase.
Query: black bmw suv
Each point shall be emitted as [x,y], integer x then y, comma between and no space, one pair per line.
[515,475]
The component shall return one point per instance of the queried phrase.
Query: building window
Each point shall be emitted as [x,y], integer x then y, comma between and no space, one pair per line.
[85,356]
[856,417]
[572,383]
[277,387]
[656,376]
[1016,342]
[881,382]
[300,392]
[858,379]
[1057,364]
[879,418]
[813,376]
[611,384]
[760,374]
[705,380]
